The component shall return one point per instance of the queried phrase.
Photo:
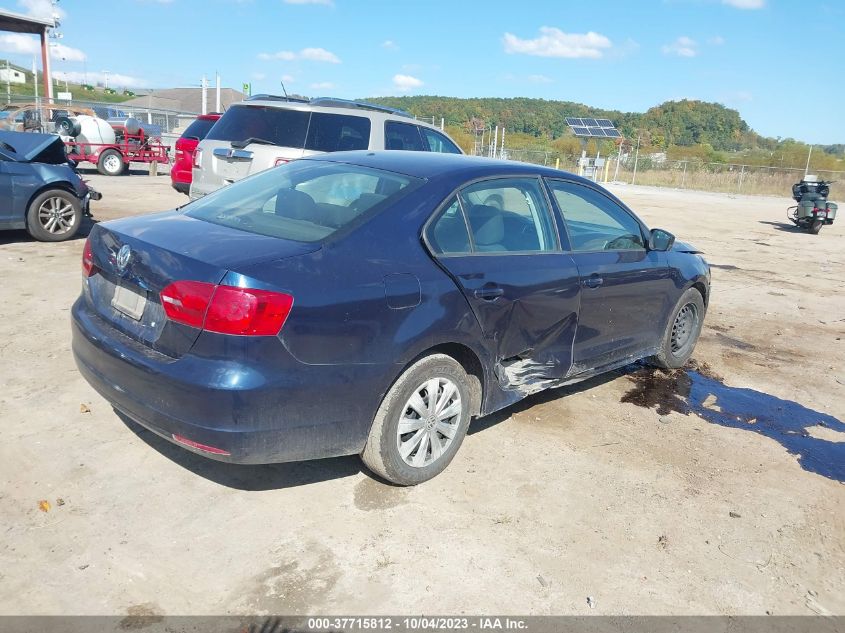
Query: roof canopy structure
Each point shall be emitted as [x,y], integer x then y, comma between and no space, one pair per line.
[17,23]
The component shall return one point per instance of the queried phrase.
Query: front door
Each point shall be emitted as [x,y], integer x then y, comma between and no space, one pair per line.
[625,288]
[498,241]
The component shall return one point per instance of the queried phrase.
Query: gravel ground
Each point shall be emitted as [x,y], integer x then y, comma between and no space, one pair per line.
[714,491]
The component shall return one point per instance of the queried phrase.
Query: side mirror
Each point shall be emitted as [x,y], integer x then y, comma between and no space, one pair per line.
[660,240]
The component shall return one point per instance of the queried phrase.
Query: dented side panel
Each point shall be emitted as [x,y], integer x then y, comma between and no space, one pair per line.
[527,308]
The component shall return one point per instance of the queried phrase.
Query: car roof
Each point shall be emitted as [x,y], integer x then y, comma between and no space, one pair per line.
[432,165]
[334,106]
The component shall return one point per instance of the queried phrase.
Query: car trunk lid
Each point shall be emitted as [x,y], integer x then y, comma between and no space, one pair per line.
[136,261]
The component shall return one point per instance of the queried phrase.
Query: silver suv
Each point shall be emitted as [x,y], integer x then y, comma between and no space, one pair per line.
[265,131]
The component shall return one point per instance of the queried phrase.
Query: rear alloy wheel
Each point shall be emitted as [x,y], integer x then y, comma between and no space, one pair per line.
[111,163]
[421,422]
[54,216]
[682,331]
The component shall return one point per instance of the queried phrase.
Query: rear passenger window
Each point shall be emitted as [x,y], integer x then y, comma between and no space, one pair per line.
[509,215]
[438,142]
[337,133]
[402,136]
[448,235]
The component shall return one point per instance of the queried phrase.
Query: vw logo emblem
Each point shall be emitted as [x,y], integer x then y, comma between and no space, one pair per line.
[124,255]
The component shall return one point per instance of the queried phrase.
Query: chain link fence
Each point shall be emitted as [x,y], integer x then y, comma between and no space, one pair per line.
[681,174]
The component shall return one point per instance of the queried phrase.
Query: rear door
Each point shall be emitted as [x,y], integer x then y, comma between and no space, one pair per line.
[625,288]
[497,240]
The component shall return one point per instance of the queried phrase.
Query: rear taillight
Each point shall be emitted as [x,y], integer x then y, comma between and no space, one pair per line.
[187,301]
[280,161]
[226,309]
[88,267]
[198,158]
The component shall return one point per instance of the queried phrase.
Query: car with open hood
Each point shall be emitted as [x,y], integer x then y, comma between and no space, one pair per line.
[39,187]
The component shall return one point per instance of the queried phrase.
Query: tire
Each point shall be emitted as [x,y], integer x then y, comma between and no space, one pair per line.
[417,461]
[111,163]
[815,227]
[682,331]
[54,216]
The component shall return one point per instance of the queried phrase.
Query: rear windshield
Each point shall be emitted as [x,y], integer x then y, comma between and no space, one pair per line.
[306,201]
[198,129]
[318,131]
[277,126]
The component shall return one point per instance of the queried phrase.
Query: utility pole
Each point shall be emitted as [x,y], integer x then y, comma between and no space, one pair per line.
[204,95]
[219,108]
[807,168]
[8,83]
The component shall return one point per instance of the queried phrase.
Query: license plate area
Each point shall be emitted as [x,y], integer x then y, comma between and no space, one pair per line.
[129,302]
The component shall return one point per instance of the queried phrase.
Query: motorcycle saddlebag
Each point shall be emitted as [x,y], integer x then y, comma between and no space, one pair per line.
[831,210]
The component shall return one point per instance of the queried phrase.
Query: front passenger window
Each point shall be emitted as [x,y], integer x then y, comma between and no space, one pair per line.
[595,222]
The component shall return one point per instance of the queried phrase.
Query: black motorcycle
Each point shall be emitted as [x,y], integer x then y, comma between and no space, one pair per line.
[813,210]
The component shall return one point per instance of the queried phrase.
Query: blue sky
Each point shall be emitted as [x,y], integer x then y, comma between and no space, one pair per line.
[620,54]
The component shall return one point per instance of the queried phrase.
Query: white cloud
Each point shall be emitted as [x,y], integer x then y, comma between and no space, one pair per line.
[404,83]
[116,80]
[22,44]
[322,85]
[390,45]
[41,9]
[745,4]
[682,47]
[553,42]
[328,3]
[540,79]
[716,40]
[319,55]
[288,79]
[310,54]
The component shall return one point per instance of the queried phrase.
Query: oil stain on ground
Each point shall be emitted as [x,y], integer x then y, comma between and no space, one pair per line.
[698,390]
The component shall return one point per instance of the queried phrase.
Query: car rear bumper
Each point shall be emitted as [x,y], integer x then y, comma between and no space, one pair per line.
[181,187]
[306,412]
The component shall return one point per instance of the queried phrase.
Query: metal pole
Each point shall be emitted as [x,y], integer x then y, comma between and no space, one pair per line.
[636,159]
[204,95]
[741,174]
[502,151]
[45,61]
[807,168]
[684,177]
[442,123]
[8,83]
[219,107]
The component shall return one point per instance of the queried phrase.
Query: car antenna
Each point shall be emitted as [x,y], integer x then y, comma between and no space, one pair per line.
[281,81]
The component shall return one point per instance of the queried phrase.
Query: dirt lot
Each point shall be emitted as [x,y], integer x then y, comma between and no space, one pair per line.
[718,492]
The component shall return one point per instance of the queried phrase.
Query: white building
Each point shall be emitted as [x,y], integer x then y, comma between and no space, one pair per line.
[12,75]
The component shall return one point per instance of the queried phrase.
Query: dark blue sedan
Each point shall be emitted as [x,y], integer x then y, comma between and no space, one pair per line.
[373,303]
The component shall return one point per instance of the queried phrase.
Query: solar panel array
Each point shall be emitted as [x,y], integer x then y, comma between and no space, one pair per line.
[593,128]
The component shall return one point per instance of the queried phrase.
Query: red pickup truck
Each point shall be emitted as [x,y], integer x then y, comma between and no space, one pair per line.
[180,173]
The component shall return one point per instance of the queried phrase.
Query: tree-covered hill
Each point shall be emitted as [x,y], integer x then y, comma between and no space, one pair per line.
[674,123]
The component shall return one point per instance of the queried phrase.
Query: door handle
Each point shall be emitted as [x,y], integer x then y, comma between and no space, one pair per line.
[488,294]
[593,281]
